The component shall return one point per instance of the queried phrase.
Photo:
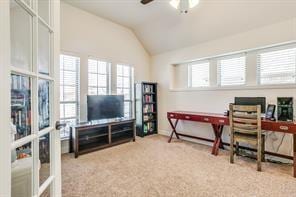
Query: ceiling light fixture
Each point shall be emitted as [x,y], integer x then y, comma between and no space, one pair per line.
[184,5]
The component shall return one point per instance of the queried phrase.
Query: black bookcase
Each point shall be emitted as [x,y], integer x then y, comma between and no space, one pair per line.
[146,108]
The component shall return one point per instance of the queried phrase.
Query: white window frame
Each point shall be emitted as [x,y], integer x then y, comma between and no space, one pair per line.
[272,49]
[77,99]
[219,67]
[131,80]
[108,75]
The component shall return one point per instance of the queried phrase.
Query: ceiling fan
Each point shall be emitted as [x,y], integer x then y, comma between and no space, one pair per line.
[182,5]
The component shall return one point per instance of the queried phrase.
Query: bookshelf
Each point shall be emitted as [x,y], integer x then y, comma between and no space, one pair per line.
[146,108]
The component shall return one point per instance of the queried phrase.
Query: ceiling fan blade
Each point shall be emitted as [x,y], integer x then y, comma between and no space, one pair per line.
[146,1]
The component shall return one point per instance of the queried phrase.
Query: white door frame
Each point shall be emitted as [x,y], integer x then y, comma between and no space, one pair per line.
[5,71]
[5,164]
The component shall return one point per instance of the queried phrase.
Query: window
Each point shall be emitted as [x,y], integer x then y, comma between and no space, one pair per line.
[98,77]
[277,67]
[232,71]
[69,91]
[199,74]
[124,86]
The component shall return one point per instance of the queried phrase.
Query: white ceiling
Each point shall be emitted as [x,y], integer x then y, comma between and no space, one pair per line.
[161,28]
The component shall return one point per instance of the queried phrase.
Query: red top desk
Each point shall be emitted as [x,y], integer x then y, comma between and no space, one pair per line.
[219,120]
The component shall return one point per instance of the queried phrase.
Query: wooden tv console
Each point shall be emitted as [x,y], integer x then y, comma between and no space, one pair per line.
[94,135]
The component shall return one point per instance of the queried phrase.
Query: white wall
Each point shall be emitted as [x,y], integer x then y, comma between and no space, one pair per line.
[218,100]
[84,35]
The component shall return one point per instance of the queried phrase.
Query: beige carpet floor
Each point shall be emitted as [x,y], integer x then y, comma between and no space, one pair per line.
[152,167]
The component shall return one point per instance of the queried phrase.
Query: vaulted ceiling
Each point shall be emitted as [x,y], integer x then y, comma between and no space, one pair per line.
[161,28]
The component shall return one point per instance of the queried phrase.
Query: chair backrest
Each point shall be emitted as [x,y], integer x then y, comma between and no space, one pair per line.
[245,119]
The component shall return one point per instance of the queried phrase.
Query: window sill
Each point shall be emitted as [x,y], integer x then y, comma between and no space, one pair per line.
[226,88]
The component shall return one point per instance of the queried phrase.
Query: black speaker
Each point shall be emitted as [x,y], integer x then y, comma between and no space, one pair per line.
[285,108]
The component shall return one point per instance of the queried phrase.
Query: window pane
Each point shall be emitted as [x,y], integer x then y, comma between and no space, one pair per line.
[43,49]
[119,70]
[62,111]
[126,109]
[92,91]
[126,71]
[119,91]
[126,82]
[119,81]
[20,37]
[70,110]
[70,78]
[102,80]
[69,93]
[22,171]
[126,93]
[44,158]
[92,80]
[20,106]
[102,91]
[200,74]
[43,104]
[232,71]
[70,63]
[92,66]
[277,67]
[43,10]
[98,83]
[102,69]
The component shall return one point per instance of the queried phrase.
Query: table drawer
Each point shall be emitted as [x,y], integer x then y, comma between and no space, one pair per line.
[288,128]
[174,116]
[206,119]
[220,121]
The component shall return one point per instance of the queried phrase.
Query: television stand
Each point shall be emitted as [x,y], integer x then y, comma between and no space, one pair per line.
[94,135]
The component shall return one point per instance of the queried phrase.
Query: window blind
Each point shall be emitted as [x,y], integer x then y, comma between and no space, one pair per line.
[69,91]
[199,74]
[277,66]
[124,86]
[98,77]
[232,71]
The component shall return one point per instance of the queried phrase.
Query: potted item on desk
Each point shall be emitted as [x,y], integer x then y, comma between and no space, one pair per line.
[270,112]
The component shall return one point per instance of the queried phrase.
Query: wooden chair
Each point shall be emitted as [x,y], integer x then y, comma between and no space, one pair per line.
[245,126]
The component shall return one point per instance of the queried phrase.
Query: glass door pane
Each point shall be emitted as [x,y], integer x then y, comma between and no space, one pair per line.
[22,171]
[43,49]
[20,37]
[20,106]
[44,158]
[44,10]
[43,104]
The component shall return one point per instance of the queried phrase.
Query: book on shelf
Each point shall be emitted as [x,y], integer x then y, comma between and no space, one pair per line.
[148,88]
[149,127]
[148,108]
[148,98]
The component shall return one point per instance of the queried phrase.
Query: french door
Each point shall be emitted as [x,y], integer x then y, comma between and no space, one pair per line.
[29,101]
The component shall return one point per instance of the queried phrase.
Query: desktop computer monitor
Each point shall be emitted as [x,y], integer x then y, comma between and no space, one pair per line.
[251,101]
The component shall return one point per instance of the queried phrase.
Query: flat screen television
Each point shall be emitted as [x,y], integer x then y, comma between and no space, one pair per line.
[251,101]
[105,106]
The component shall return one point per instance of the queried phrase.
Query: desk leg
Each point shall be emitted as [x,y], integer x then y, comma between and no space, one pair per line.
[294,155]
[174,129]
[218,143]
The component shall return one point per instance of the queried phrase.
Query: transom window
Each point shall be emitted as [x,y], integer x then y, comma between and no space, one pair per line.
[277,66]
[98,77]
[232,71]
[124,86]
[69,91]
[199,74]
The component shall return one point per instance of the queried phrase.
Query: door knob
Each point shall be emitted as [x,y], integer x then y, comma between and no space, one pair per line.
[59,125]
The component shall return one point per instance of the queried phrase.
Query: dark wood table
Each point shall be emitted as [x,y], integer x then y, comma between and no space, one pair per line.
[218,121]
